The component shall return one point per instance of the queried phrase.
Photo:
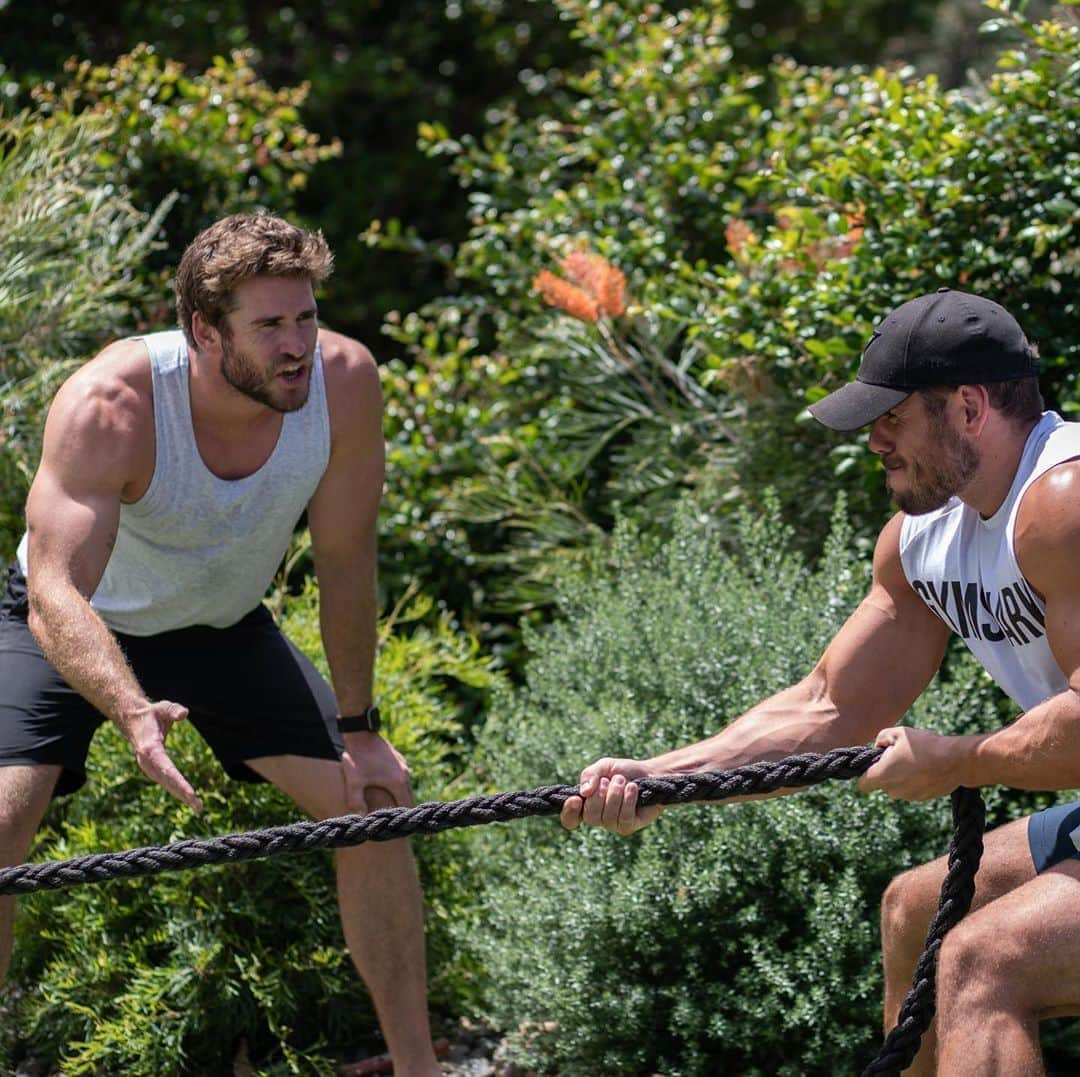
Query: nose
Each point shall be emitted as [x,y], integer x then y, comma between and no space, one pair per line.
[294,343]
[879,442]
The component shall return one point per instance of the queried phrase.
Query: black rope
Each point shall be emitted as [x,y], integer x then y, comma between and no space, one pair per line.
[388,824]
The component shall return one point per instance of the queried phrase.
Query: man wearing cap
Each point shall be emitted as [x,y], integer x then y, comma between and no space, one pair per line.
[985,545]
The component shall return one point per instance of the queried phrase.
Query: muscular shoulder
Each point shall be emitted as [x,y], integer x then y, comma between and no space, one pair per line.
[892,591]
[1047,532]
[888,569]
[352,379]
[103,415]
[346,362]
[113,391]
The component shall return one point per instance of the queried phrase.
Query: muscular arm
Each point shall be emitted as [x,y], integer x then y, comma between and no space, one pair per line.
[857,688]
[343,516]
[93,451]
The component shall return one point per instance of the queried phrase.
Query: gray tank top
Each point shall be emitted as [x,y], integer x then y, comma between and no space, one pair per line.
[196,549]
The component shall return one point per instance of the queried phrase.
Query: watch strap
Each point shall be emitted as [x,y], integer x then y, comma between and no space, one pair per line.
[367,721]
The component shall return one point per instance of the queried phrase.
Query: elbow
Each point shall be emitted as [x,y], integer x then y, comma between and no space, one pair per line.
[38,623]
[43,609]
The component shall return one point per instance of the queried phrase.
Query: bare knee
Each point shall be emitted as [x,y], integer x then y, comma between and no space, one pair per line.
[980,966]
[24,797]
[908,905]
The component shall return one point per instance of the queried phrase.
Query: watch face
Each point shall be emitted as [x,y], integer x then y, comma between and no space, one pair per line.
[374,719]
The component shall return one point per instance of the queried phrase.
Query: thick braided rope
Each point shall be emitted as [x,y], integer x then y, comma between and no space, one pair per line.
[387,824]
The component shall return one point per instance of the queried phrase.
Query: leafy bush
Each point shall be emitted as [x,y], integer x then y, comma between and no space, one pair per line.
[70,252]
[725,939]
[222,140]
[765,223]
[375,71]
[169,975]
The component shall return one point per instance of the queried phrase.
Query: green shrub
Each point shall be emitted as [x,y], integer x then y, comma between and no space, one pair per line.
[223,140]
[765,222]
[70,252]
[725,939]
[168,975]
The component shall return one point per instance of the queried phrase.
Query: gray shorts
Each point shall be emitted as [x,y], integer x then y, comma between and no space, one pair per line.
[249,691]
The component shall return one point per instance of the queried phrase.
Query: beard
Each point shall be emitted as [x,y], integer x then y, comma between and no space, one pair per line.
[245,376]
[940,477]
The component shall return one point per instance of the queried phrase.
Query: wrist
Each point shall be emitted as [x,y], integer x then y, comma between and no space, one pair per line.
[367,720]
[127,713]
[971,759]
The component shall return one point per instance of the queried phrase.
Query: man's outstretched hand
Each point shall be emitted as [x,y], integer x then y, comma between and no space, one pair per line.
[146,731]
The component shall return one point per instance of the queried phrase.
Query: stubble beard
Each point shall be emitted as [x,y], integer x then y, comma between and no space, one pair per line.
[244,375]
[935,482]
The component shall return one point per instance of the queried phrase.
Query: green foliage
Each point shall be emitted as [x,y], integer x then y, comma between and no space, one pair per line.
[167,976]
[70,252]
[724,939]
[376,71]
[883,187]
[223,140]
[761,244]
[627,169]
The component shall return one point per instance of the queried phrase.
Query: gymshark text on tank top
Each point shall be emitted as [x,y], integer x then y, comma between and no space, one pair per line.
[964,568]
[196,549]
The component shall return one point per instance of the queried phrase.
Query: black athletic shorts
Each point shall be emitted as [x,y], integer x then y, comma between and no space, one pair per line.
[249,692]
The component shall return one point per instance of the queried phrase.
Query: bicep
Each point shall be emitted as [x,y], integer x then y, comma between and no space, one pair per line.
[888,650]
[1047,537]
[73,508]
[1063,634]
[343,512]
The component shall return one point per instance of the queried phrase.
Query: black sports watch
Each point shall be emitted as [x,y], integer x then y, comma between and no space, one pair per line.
[367,721]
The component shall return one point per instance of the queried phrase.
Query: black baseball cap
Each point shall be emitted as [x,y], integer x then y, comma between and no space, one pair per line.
[943,338]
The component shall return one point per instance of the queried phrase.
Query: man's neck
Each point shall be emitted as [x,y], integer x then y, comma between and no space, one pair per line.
[1001,452]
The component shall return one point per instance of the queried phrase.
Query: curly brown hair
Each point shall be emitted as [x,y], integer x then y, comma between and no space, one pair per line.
[237,248]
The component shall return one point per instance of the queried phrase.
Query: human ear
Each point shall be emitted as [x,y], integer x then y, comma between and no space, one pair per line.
[206,337]
[975,402]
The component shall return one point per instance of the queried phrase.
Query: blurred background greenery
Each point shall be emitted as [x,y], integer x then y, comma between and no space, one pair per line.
[606,252]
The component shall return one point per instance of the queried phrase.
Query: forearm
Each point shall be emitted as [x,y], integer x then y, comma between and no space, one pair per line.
[1040,750]
[79,644]
[802,718]
[347,619]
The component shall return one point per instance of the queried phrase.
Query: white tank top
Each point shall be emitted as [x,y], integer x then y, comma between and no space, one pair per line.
[196,549]
[965,569]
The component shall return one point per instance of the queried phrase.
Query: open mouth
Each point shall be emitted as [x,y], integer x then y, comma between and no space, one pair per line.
[293,375]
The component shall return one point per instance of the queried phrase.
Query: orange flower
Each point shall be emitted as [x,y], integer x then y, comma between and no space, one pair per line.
[595,287]
[737,234]
[566,296]
[600,279]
